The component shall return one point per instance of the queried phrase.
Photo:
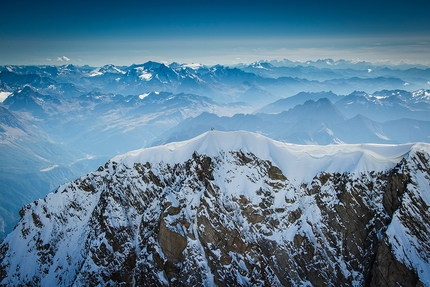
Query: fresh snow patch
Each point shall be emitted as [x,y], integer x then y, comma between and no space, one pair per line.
[379,97]
[145,76]
[421,94]
[49,168]
[115,69]
[88,157]
[106,69]
[144,95]
[95,73]
[4,95]
[381,136]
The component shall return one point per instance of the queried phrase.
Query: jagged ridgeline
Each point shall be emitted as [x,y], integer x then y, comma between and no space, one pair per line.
[233,209]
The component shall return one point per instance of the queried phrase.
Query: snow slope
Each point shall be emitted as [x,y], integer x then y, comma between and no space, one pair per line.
[234,209]
[297,162]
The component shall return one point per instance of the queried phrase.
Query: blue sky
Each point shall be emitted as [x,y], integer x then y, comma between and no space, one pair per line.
[126,32]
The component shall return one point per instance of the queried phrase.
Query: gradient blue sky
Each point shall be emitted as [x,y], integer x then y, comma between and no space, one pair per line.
[209,32]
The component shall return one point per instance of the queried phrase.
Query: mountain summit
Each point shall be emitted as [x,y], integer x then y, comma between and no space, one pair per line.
[232,209]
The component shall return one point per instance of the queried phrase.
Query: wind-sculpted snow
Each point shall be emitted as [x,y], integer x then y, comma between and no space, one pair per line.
[298,162]
[232,209]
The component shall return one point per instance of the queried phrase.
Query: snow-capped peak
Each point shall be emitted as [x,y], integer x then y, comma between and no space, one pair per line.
[308,159]
[228,208]
[111,69]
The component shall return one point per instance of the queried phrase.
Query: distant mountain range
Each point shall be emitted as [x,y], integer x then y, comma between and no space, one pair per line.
[222,83]
[312,118]
[60,122]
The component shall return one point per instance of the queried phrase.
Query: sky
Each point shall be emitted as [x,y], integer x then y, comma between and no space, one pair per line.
[209,32]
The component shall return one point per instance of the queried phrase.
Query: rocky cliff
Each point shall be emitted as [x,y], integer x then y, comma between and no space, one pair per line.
[232,209]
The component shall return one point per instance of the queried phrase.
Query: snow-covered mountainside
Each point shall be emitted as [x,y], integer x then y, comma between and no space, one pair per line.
[232,209]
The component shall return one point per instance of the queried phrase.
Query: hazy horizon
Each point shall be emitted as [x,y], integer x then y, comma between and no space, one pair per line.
[225,32]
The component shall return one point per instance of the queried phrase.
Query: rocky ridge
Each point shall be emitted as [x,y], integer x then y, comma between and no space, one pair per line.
[232,209]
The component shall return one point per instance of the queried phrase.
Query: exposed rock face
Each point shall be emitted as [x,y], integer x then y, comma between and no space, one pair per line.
[388,271]
[228,220]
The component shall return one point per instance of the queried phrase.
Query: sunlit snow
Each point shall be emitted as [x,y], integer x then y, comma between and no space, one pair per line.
[298,162]
[4,95]
[144,75]
[95,73]
[144,95]
[49,168]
